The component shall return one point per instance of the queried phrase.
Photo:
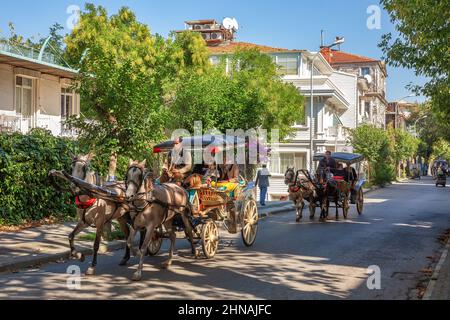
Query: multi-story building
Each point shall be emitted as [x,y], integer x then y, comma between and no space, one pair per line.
[35,91]
[371,75]
[335,104]
[397,113]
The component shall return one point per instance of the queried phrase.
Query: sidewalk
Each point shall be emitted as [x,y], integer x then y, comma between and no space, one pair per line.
[439,285]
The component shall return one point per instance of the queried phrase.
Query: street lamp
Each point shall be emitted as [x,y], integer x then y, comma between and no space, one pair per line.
[338,41]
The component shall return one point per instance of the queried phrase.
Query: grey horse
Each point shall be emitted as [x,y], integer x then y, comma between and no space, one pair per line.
[153,206]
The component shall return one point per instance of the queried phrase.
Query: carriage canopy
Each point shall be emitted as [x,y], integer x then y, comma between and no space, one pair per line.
[345,157]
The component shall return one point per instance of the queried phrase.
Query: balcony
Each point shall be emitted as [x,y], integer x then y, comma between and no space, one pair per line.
[27,52]
[19,123]
[335,133]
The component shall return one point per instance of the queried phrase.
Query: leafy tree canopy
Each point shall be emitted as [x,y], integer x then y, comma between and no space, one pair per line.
[424,29]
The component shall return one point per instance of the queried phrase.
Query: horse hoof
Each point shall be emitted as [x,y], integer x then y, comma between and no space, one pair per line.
[90,271]
[311,217]
[165,265]
[123,262]
[298,219]
[79,256]
[196,253]
[137,276]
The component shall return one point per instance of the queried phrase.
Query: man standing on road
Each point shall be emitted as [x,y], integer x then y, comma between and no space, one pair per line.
[262,181]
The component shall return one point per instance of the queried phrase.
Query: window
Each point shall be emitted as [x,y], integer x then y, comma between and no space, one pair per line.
[367,108]
[288,64]
[24,96]
[280,163]
[365,71]
[66,102]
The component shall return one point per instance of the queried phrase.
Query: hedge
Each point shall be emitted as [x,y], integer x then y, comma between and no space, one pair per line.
[26,193]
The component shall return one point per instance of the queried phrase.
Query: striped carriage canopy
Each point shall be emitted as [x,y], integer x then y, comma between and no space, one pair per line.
[215,143]
[345,157]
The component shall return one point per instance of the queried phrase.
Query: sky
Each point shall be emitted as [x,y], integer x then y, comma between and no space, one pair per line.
[291,24]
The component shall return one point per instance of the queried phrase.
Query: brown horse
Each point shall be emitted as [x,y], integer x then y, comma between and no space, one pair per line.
[95,212]
[153,206]
[300,189]
[339,192]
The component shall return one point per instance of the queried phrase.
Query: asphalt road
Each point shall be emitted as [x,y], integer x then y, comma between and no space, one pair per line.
[307,260]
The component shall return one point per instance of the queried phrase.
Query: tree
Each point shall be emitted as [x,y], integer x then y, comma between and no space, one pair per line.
[423,45]
[250,96]
[402,146]
[373,144]
[124,81]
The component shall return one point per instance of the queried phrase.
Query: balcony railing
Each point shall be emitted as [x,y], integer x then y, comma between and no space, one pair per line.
[23,124]
[27,52]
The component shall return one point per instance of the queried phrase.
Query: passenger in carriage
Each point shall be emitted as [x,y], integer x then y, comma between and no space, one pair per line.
[229,171]
[178,164]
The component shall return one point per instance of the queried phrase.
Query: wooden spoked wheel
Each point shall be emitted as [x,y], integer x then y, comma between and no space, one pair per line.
[250,223]
[155,243]
[360,201]
[210,239]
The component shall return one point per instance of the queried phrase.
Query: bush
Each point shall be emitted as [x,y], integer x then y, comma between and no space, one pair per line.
[26,193]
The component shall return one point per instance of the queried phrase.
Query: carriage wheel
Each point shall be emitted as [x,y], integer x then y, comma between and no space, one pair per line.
[360,201]
[312,210]
[210,239]
[250,226]
[155,243]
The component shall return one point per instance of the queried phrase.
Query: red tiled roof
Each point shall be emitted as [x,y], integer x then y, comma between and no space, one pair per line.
[340,57]
[234,45]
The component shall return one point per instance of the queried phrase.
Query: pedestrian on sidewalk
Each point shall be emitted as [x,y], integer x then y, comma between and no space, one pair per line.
[262,181]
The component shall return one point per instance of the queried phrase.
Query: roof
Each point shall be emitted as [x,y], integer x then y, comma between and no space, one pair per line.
[231,47]
[340,57]
[204,21]
[346,157]
[37,65]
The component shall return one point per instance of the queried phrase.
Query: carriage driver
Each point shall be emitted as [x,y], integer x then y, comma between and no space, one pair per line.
[328,162]
[179,162]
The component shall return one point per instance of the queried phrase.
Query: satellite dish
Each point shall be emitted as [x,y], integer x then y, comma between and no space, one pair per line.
[368,77]
[230,24]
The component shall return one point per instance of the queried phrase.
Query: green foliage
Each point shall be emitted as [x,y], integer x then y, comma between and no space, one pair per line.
[373,143]
[250,96]
[25,190]
[424,30]
[441,149]
[126,77]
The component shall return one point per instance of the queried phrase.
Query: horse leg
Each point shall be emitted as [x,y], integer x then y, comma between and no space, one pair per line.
[336,201]
[172,236]
[126,230]
[73,252]
[130,241]
[137,276]
[298,211]
[190,232]
[91,270]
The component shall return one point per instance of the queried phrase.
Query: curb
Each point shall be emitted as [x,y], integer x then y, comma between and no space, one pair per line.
[434,277]
[26,262]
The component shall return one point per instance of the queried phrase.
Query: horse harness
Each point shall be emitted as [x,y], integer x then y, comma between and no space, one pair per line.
[148,199]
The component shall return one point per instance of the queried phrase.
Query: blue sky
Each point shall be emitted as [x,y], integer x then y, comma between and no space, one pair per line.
[293,24]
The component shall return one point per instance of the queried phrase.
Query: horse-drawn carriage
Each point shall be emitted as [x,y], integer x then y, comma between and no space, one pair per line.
[343,186]
[215,201]
[350,175]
